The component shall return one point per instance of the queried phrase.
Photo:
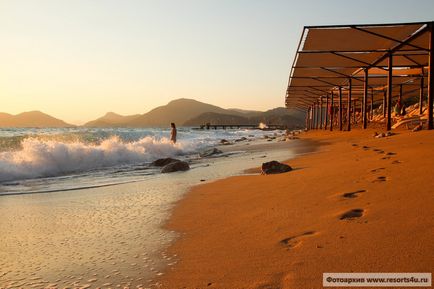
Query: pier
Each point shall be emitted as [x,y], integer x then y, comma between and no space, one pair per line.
[238,126]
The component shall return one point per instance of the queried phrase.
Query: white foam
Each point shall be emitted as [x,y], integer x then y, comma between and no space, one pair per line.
[43,158]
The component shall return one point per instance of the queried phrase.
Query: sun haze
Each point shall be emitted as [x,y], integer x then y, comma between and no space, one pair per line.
[76,60]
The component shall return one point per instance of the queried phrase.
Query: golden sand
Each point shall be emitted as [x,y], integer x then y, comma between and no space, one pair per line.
[360,204]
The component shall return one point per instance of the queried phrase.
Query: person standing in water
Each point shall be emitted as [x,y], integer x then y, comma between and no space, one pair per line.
[173,132]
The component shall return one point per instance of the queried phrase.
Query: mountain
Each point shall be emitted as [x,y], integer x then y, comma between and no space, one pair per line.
[31,119]
[178,111]
[216,118]
[278,116]
[111,119]
[245,112]
[189,112]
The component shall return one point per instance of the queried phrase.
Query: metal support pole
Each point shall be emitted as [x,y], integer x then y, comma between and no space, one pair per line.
[372,104]
[332,111]
[315,116]
[355,111]
[365,100]
[421,92]
[389,93]
[312,123]
[326,112]
[431,77]
[349,105]
[320,113]
[340,108]
[311,117]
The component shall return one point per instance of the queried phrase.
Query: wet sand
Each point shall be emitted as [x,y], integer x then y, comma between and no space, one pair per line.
[108,237]
[359,204]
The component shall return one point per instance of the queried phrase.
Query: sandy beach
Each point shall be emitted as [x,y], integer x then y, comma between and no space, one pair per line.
[111,236]
[358,204]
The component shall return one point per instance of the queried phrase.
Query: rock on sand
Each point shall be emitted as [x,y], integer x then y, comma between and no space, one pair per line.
[274,167]
[175,166]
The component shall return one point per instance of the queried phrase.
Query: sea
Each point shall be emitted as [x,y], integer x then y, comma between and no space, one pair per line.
[85,208]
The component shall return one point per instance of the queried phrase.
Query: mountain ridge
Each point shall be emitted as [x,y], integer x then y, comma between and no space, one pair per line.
[183,112]
[32,118]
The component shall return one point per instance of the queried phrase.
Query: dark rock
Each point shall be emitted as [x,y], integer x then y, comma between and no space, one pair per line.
[241,139]
[274,167]
[163,162]
[225,142]
[175,166]
[210,152]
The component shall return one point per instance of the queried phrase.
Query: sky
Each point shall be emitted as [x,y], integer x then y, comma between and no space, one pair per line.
[78,59]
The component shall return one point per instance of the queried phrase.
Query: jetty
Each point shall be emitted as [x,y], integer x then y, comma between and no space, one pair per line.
[238,126]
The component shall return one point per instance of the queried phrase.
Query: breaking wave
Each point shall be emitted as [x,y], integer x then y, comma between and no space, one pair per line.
[47,158]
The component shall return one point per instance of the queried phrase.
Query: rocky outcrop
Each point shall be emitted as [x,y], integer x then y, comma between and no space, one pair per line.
[163,162]
[210,152]
[175,167]
[225,142]
[274,167]
[241,139]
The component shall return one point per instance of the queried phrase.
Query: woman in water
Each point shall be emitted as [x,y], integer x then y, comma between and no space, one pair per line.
[173,133]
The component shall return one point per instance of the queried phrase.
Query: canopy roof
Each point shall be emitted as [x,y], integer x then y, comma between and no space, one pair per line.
[327,56]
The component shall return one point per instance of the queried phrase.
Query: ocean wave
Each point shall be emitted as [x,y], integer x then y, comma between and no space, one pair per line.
[47,158]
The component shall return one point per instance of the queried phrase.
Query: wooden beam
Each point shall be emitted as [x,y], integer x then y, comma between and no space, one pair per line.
[340,108]
[421,92]
[314,115]
[431,76]
[320,112]
[372,104]
[326,112]
[389,92]
[384,102]
[354,111]
[349,104]
[332,111]
[365,100]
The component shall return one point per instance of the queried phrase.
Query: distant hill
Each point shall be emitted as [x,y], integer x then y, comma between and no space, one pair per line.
[280,116]
[111,119]
[31,119]
[189,112]
[178,111]
[216,118]
[245,112]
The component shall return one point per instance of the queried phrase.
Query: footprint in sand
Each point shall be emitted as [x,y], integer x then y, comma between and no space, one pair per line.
[352,195]
[365,147]
[396,162]
[380,179]
[352,214]
[377,170]
[390,154]
[295,241]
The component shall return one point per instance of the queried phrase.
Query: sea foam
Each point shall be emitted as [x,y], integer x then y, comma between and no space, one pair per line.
[46,158]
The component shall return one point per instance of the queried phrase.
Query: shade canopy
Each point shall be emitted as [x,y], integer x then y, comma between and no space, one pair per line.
[328,56]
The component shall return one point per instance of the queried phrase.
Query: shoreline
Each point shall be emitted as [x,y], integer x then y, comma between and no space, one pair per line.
[118,227]
[284,231]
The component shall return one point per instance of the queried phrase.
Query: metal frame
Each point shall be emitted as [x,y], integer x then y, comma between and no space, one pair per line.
[401,48]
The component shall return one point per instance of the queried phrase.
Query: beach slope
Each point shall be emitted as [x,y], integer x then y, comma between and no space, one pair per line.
[360,204]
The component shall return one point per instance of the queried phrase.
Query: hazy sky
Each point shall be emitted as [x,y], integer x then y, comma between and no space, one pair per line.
[78,59]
